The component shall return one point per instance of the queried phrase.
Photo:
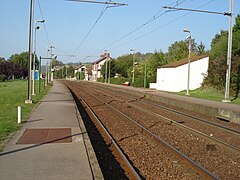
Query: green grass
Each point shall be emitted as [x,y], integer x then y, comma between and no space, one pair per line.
[13,94]
[210,94]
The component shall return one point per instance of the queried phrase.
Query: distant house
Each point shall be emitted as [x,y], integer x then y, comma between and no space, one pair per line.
[97,66]
[81,69]
[173,77]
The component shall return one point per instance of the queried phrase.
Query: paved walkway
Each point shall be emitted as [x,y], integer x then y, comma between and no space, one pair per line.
[55,160]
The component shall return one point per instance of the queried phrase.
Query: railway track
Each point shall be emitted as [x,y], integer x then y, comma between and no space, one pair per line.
[111,102]
[229,133]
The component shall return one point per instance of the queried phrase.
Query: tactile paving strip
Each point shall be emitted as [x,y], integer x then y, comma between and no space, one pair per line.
[46,135]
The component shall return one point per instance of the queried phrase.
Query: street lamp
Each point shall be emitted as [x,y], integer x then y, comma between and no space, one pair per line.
[133,71]
[189,55]
[34,54]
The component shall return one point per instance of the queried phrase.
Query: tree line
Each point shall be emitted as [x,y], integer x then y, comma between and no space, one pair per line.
[123,65]
[14,67]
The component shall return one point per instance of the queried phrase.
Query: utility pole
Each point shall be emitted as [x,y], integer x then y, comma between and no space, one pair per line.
[109,66]
[50,69]
[229,54]
[30,52]
[106,64]
[133,71]
[145,76]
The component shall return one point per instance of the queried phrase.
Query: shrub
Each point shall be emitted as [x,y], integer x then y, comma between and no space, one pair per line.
[3,77]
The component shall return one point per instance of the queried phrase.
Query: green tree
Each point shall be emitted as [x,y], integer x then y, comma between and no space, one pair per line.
[179,50]
[2,59]
[55,62]
[218,60]
[124,64]
[21,59]
[219,45]
[201,49]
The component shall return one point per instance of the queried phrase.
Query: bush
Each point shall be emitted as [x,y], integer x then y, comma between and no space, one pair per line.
[3,77]
[119,81]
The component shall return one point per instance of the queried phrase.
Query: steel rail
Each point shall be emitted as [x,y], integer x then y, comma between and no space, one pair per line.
[207,137]
[198,168]
[129,168]
[184,114]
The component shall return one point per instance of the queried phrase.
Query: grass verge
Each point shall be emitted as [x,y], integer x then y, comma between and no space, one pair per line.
[209,94]
[13,94]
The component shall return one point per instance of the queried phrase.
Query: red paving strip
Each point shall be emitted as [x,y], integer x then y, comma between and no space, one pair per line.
[48,135]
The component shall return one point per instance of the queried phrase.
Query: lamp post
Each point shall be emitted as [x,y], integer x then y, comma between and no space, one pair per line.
[133,71]
[34,54]
[189,55]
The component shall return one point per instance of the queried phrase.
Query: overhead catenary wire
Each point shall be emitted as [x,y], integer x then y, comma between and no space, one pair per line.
[45,29]
[85,37]
[162,26]
[153,18]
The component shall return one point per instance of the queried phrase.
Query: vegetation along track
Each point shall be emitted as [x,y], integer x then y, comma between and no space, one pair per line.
[218,159]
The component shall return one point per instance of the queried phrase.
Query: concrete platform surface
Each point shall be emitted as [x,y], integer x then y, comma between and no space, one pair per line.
[62,160]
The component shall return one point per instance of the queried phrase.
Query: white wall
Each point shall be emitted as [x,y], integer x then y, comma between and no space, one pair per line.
[175,79]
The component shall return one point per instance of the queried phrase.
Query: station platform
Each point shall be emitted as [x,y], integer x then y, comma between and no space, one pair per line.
[52,144]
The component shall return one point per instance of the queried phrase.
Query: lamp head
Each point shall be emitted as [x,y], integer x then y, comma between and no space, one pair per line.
[40,20]
[186,30]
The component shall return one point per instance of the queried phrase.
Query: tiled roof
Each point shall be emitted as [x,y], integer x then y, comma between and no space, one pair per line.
[183,61]
[101,59]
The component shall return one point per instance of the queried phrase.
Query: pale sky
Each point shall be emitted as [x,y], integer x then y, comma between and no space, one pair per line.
[70,28]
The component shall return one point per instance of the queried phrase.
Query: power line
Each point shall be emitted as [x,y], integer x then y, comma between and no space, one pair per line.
[101,14]
[40,9]
[153,18]
[162,26]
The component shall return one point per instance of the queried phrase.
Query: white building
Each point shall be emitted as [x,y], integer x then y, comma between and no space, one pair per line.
[82,69]
[173,77]
[97,66]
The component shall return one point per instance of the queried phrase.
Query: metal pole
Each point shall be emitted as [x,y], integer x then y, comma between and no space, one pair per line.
[39,75]
[229,55]
[189,56]
[34,56]
[66,72]
[30,52]
[46,78]
[145,76]
[106,63]
[133,68]
[109,66]
[51,74]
